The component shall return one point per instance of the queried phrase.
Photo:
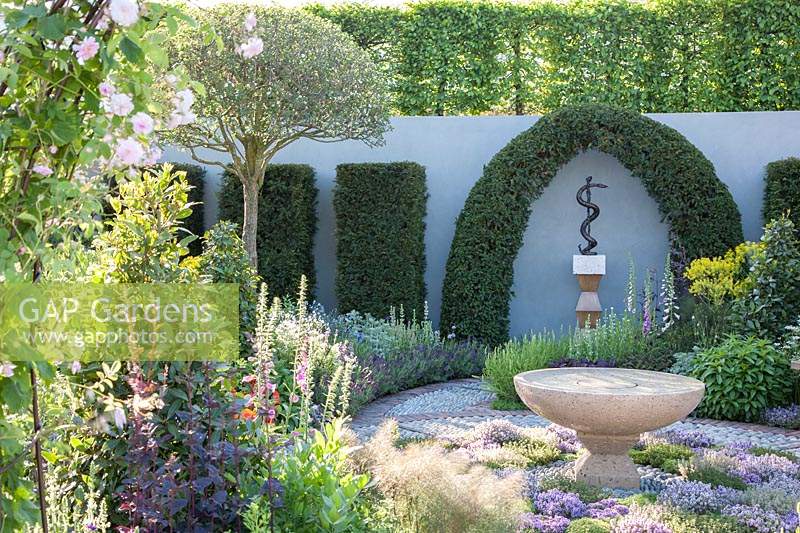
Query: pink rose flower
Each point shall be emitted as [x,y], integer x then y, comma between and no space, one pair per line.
[7,369]
[106,89]
[124,12]
[183,101]
[250,22]
[251,48]
[86,49]
[182,113]
[43,170]
[118,104]
[129,152]
[142,123]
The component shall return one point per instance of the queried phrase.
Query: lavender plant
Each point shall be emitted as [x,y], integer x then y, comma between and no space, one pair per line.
[395,354]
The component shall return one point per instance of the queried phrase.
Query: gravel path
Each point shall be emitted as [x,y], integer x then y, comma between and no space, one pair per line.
[445,408]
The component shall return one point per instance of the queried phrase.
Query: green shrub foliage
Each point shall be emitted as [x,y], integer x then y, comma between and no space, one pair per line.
[195,177]
[588,525]
[287,222]
[380,237]
[743,376]
[703,217]
[224,260]
[782,193]
[464,56]
[773,303]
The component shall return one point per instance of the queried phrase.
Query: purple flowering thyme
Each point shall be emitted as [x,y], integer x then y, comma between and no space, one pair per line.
[542,523]
[761,520]
[785,417]
[566,439]
[606,509]
[556,502]
[696,496]
[635,523]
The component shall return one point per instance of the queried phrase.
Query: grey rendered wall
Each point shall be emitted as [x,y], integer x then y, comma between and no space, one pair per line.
[454,150]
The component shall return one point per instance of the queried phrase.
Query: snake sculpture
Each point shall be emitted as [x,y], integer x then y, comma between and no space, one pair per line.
[592,212]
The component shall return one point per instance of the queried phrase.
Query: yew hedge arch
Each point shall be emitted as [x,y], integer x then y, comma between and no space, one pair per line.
[703,217]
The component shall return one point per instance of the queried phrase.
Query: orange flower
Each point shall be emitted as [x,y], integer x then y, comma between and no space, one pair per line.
[249,414]
[276,395]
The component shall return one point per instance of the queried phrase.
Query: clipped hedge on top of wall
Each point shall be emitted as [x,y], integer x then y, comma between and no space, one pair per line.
[477,56]
[704,220]
[287,222]
[782,191]
[380,237]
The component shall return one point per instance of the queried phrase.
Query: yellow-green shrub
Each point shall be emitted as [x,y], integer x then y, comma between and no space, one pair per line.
[722,279]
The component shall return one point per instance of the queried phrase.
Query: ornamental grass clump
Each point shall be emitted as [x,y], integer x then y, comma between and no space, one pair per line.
[431,489]
[520,355]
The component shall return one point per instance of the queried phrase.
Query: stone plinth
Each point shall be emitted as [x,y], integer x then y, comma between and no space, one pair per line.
[609,408]
[589,269]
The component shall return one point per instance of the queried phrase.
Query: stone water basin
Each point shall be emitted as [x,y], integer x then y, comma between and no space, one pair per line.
[609,408]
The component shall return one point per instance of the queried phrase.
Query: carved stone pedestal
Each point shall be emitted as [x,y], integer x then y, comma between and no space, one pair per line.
[589,270]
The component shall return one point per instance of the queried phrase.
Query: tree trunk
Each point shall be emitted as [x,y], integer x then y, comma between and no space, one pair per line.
[250,226]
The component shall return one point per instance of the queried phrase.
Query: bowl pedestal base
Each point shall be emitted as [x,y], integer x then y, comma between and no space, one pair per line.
[607,463]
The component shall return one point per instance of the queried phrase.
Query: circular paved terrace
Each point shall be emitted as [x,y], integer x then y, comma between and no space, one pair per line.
[447,408]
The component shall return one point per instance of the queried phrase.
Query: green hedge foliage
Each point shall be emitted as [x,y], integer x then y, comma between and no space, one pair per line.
[287,222]
[703,217]
[464,56]
[380,237]
[782,192]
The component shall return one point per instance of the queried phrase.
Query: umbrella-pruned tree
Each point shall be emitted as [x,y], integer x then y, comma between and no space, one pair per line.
[274,76]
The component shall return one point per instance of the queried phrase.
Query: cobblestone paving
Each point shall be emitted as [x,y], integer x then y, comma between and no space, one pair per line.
[446,408]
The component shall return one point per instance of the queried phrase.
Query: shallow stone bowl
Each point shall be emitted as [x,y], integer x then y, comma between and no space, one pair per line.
[609,408]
